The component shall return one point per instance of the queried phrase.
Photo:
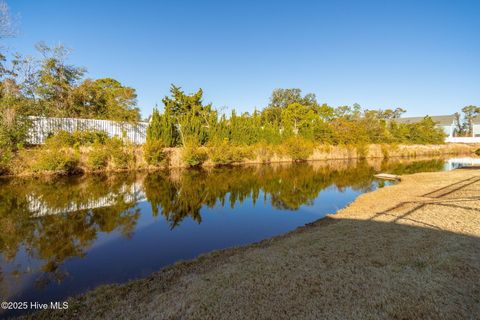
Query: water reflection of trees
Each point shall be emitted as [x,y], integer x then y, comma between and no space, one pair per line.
[53,220]
[182,194]
[409,167]
[288,187]
[53,238]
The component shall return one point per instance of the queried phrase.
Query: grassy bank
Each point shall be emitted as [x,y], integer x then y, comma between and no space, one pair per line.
[408,251]
[55,158]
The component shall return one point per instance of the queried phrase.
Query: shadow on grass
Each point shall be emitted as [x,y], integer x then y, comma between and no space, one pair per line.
[331,269]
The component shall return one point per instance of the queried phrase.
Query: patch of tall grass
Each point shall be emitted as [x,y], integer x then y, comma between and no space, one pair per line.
[193,155]
[298,148]
[263,152]
[98,157]
[77,138]
[6,157]
[154,153]
[225,153]
[56,160]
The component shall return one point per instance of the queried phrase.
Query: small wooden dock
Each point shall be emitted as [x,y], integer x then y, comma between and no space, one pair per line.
[387,176]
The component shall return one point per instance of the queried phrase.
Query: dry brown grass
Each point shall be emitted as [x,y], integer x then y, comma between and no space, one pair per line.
[328,152]
[23,162]
[410,251]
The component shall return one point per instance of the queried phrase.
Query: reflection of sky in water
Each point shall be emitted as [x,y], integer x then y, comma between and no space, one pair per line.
[113,257]
[331,200]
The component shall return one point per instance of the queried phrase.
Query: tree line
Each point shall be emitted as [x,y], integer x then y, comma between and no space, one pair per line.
[187,120]
[50,87]
[46,85]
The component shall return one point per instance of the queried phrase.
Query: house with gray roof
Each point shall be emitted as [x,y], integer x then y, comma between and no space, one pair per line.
[476,127]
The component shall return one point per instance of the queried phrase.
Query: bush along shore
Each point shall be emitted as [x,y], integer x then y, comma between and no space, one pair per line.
[85,152]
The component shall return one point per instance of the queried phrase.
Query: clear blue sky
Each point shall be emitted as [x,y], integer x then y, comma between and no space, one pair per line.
[420,55]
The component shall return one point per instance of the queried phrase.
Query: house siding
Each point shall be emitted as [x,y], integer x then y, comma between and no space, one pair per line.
[476,130]
[448,129]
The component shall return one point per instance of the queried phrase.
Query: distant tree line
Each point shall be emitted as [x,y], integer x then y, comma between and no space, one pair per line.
[186,119]
[48,86]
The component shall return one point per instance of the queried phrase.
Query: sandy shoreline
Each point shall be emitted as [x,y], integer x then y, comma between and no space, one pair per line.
[402,252]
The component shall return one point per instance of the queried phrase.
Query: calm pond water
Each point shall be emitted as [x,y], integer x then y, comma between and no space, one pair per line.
[63,236]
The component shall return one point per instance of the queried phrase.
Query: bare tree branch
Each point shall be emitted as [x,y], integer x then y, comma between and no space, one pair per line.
[7,23]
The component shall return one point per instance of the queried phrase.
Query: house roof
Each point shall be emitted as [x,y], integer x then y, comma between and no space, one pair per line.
[440,120]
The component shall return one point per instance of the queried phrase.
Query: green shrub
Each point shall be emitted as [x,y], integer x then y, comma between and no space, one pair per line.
[324,148]
[123,157]
[299,149]
[63,138]
[240,153]
[57,160]
[154,153]
[263,152]
[90,137]
[60,139]
[219,153]
[13,127]
[362,151]
[98,157]
[425,132]
[477,152]
[105,151]
[115,153]
[224,153]
[193,156]
[6,157]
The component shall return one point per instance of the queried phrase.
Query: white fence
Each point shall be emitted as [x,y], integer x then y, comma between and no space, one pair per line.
[455,163]
[129,194]
[463,139]
[43,127]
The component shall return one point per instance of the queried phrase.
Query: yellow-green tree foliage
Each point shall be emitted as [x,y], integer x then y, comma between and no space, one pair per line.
[289,114]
